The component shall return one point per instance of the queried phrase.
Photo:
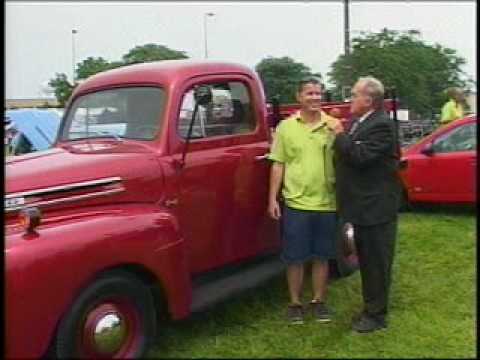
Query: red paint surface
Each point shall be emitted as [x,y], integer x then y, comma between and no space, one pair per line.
[220,217]
[442,177]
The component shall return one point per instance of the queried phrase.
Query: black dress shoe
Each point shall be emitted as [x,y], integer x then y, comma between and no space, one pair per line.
[366,324]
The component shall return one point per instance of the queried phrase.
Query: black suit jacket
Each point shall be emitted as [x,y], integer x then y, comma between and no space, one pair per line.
[366,162]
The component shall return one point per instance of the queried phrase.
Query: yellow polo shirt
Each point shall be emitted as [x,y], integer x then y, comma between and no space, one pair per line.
[307,153]
[451,111]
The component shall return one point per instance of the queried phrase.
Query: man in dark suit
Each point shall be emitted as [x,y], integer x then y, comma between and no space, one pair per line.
[368,192]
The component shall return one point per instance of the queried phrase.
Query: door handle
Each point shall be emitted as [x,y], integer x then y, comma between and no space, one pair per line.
[171,203]
[261,157]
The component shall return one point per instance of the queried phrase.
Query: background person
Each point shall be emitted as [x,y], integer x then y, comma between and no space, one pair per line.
[453,109]
[302,168]
[368,193]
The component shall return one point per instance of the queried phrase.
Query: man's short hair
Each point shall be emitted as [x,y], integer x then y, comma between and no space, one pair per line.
[452,92]
[374,88]
[309,80]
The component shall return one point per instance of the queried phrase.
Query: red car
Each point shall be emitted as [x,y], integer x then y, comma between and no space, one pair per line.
[441,168]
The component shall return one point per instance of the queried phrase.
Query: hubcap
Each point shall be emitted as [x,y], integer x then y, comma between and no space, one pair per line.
[110,330]
[110,333]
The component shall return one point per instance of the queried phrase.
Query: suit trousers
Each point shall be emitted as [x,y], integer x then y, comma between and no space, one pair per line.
[375,249]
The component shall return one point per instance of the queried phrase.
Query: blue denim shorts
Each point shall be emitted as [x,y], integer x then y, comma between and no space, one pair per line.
[308,235]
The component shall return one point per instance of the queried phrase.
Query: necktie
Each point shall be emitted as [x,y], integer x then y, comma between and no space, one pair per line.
[354,127]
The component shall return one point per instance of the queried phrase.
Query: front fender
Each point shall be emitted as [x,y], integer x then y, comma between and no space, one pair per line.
[45,273]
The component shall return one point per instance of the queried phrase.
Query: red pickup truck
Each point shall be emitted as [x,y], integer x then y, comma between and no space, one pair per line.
[151,204]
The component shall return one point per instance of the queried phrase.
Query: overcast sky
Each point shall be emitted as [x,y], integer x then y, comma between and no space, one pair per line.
[39,39]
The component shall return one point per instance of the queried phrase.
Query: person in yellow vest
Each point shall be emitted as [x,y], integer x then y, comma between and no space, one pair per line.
[453,109]
[303,170]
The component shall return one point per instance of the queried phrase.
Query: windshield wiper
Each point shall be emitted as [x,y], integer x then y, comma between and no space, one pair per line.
[107,134]
[98,133]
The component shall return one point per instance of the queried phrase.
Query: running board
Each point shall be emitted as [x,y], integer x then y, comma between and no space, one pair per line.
[206,294]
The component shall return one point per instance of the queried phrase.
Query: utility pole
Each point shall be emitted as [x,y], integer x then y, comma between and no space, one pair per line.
[74,31]
[346,31]
[205,16]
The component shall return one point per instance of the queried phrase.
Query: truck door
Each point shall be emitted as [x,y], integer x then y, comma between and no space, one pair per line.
[252,231]
[222,185]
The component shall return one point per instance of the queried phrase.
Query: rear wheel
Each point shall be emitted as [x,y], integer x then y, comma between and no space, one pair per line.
[112,318]
[346,261]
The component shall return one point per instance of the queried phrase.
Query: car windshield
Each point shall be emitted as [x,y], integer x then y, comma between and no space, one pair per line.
[132,113]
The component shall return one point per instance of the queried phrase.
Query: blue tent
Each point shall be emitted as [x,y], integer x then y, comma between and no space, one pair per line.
[39,126]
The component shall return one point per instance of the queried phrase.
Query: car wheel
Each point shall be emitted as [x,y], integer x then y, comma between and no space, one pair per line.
[112,318]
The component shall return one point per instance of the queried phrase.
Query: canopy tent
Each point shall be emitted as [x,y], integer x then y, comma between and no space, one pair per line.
[38,126]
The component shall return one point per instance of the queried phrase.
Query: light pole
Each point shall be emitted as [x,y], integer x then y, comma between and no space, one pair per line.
[346,24]
[74,31]
[205,16]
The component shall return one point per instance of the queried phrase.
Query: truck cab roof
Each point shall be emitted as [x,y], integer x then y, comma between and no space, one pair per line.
[160,72]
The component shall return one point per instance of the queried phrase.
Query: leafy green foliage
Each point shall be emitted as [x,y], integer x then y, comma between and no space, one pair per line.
[152,52]
[280,77]
[420,72]
[62,88]
[91,66]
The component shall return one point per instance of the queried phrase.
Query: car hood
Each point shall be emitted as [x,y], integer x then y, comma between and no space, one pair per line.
[74,173]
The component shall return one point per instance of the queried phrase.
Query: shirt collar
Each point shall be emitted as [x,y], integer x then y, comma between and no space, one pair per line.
[364,116]
[298,117]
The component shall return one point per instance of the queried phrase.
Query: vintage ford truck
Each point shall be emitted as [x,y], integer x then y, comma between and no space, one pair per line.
[150,205]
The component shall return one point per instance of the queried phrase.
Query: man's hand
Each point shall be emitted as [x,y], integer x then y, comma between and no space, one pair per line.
[274,210]
[336,113]
[335,125]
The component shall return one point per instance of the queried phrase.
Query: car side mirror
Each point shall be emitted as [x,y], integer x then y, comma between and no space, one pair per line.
[427,150]
[203,95]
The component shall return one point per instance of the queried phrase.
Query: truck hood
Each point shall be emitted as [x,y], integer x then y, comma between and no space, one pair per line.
[80,172]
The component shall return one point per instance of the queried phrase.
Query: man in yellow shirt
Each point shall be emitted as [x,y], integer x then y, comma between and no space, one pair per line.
[453,109]
[302,155]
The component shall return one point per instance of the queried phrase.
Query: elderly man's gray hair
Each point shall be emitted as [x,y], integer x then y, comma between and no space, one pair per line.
[374,88]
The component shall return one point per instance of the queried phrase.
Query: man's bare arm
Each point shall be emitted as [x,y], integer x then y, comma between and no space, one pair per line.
[276,179]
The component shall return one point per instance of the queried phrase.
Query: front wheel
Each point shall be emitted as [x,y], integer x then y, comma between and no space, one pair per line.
[114,317]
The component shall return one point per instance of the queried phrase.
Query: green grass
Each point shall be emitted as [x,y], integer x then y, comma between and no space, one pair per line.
[432,307]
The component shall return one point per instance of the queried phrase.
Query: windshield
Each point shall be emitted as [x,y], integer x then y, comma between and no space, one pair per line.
[132,113]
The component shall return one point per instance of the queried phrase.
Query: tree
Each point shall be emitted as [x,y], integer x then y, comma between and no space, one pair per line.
[91,66]
[152,52]
[420,72]
[62,88]
[280,77]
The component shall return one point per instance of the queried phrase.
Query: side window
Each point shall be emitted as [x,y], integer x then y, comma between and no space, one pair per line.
[462,138]
[228,113]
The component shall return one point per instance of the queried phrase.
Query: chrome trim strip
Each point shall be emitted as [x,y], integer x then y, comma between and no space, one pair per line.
[66,199]
[65,187]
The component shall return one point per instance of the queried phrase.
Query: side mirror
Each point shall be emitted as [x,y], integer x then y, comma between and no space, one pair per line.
[202,95]
[427,150]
